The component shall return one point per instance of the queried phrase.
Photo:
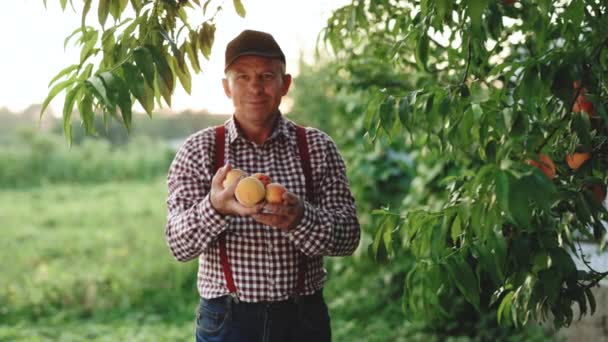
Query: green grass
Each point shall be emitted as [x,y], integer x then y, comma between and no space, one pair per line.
[84,259]
[89,263]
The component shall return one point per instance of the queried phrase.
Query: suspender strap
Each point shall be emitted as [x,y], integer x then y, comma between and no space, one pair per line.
[305,157]
[220,134]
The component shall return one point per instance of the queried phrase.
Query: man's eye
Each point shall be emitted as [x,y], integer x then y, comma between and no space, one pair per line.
[241,77]
[268,76]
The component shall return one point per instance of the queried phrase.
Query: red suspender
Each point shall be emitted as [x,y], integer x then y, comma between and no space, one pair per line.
[305,157]
[220,133]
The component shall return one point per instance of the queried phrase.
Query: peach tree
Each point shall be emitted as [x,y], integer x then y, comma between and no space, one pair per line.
[132,51]
[510,97]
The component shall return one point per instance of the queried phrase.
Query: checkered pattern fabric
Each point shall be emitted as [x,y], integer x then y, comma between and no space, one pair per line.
[264,260]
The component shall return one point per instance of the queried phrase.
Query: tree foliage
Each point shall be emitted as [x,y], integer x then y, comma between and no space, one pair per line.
[490,88]
[138,52]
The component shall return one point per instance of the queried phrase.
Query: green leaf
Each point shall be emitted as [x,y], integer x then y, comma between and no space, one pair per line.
[75,32]
[238,6]
[579,297]
[68,107]
[562,85]
[505,307]
[462,275]
[422,51]
[137,85]
[145,63]
[582,126]
[591,298]
[89,39]
[85,108]
[424,7]
[64,72]
[404,111]
[519,206]
[184,76]
[372,111]
[520,126]
[378,248]
[116,7]
[456,229]
[540,189]
[85,11]
[102,11]
[386,112]
[137,5]
[63,4]
[502,190]
[475,10]
[149,99]
[86,73]
[99,89]
[490,151]
[162,69]
[124,101]
[192,51]
[206,37]
[54,91]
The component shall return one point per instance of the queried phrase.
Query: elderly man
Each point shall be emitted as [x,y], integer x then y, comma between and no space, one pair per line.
[260,275]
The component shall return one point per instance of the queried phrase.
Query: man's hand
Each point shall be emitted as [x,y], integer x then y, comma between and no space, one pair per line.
[284,216]
[223,200]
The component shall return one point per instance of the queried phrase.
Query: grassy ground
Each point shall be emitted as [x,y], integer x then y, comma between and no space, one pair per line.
[90,263]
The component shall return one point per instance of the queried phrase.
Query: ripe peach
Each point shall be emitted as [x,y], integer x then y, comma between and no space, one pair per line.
[250,191]
[265,179]
[274,193]
[545,164]
[575,160]
[232,176]
[581,103]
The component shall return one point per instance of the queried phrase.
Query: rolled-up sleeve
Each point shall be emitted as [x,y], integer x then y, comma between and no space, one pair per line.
[329,225]
[192,223]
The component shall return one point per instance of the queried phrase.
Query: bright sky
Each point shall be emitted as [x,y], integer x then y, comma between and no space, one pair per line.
[32,46]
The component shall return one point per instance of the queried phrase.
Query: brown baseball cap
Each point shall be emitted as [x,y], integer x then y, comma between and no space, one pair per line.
[251,42]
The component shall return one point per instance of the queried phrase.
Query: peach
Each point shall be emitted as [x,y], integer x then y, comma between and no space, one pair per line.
[545,164]
[274,193]
[250,191]
[265,179]
[575,160]
[232,176]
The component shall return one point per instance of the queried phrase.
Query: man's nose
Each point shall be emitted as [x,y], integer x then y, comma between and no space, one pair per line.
[256,84]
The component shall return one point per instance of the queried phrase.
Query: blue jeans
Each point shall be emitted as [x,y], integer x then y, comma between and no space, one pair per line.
[304,319]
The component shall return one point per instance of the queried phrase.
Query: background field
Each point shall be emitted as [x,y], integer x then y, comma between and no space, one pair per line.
[90,262]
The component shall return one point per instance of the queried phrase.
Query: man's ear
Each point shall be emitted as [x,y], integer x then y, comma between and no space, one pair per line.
[226,85]
[286,84]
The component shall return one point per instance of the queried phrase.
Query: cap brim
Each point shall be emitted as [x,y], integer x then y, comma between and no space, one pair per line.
[254,53]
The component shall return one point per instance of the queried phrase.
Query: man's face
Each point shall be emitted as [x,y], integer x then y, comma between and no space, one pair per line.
[256,85]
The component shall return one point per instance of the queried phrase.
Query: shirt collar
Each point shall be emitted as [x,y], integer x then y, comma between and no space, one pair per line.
[283,129]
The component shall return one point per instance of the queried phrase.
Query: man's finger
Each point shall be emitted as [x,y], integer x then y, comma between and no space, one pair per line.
[269,219]
[246,211]
[229,191]
[291,198]
[220,175]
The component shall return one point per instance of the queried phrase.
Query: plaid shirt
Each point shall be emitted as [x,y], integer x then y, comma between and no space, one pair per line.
[263,260]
